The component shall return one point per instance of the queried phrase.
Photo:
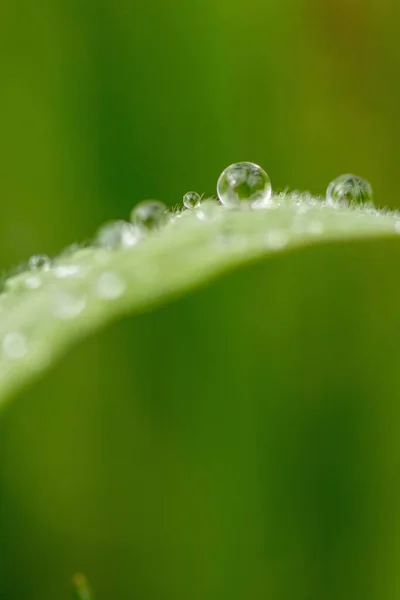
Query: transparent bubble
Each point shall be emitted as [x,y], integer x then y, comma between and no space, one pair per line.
[244,184]
[117,234]
[349,188]
[39,262]
[191,199]
[149,214]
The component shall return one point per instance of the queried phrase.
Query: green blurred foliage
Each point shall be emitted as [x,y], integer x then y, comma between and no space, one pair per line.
[231,445]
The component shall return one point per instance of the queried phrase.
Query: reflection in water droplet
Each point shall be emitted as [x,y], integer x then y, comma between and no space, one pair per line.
[63,271]
[349,188]
[39,262]
[110,286]
[149,214]
[244,184]
[68,306]
[15,345]
[276,239]
[117,234]
[33,282]
[208,210]
[191,199]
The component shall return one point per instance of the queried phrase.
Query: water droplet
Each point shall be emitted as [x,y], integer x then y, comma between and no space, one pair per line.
[191,199]
[39,262]
[110,286]
[63,271]
[15,345]
[349,188]
[276,239]
[208,210]
[66,306]
[117,234]
[244,184]
[149,214]
[33,282]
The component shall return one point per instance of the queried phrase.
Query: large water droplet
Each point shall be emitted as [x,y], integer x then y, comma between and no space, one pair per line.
[349,188]
[15,345]
[191,199]
[244,184]
[149,214]
[117,234]
[39,262]
[110,286]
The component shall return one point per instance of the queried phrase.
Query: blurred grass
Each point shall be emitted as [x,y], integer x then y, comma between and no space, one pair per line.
[104,104]
[250,448]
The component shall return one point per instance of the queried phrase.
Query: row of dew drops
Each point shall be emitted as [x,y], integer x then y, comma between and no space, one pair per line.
[241,185]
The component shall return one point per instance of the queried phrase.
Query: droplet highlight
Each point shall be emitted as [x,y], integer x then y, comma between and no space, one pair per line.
[191,200]
[244,184]
[64,271]
[149,214]
[351,189]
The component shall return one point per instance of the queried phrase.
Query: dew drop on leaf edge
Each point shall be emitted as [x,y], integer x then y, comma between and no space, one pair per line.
[349,188]
[149,214]
[39,262]
[191,199]
[244,184]
[117,234]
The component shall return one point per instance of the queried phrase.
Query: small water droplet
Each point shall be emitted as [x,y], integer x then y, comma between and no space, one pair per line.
[149,214]
[63,271]
[244,184]
[110,286]
[276,239]
[33,282]
[349,188]
[15,345]
[208,210]
[117,234]
[39,262]
[67,306]
[191,199]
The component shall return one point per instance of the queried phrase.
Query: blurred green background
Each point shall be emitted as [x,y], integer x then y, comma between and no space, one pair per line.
[138,459]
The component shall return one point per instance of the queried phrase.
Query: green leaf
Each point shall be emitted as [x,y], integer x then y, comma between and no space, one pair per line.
[42,313]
